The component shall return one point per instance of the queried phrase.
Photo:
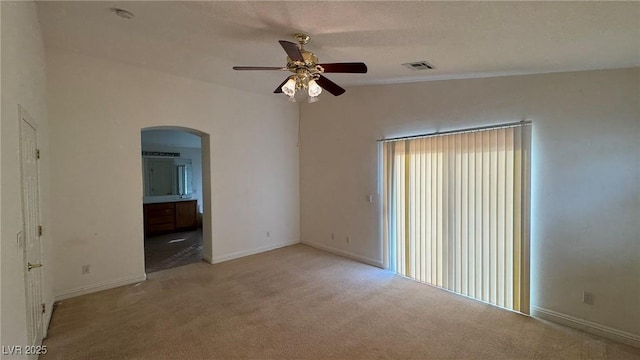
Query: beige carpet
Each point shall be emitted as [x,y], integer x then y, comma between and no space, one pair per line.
[301,303]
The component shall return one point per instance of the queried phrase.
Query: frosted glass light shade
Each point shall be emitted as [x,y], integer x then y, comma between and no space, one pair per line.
[289,87]
[314,88]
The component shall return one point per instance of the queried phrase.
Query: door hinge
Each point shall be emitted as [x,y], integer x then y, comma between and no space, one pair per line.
[37,153]
[40,230]
[44,308]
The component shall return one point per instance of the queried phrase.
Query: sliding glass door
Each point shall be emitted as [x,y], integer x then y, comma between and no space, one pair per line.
[456,212]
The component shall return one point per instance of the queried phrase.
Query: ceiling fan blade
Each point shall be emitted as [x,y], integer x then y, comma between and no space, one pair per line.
[278,90]
[351,67]
[258,68]
[292,50]
[330,86]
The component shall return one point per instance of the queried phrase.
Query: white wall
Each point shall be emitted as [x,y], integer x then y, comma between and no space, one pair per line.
[23,82]
[586,176]
[97,109]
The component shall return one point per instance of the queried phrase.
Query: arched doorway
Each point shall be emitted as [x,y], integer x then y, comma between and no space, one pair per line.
[176,196]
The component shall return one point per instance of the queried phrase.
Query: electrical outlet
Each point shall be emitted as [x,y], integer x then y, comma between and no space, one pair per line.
[86,269]
[333,236]
[348,239]
[587,298]
[268,234]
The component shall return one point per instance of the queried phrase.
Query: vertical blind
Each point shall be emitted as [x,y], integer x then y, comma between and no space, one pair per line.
[456,212]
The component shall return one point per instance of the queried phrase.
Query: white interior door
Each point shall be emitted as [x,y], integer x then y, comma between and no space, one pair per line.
[31,220]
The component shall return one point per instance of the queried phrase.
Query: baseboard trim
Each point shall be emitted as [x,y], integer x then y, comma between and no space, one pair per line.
[243,253]
[83,290]
[587,326]
[347,254]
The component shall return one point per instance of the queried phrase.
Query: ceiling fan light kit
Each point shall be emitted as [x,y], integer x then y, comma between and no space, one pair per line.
[307,71]
[314,88]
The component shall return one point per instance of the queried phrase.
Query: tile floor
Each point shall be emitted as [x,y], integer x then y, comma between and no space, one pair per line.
[171,250]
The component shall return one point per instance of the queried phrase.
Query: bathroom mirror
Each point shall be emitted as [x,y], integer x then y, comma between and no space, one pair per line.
[167,176]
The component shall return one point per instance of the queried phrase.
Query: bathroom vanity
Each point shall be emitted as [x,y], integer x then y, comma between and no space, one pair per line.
[168,188]
[165,217]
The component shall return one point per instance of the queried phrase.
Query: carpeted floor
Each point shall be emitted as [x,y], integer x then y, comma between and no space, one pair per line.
[301,303]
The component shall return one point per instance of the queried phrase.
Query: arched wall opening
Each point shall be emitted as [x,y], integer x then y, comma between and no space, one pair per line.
[205,196]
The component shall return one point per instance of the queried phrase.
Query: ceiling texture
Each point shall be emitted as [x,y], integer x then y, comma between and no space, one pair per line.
[203,40]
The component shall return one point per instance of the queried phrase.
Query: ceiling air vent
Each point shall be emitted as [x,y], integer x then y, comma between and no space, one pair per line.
[419,65]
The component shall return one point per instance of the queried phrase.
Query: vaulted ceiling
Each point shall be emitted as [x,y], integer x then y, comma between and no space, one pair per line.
[203,40]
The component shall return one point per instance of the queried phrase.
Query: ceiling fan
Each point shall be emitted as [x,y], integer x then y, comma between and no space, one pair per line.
[307,73]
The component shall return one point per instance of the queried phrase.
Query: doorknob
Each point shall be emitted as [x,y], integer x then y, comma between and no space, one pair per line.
[33,266]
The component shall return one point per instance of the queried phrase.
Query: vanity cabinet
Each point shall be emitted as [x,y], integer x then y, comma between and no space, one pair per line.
[186,214]
[170,216]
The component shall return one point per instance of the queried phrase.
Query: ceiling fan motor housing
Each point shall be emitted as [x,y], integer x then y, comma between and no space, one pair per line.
[305,71]
[310,62]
